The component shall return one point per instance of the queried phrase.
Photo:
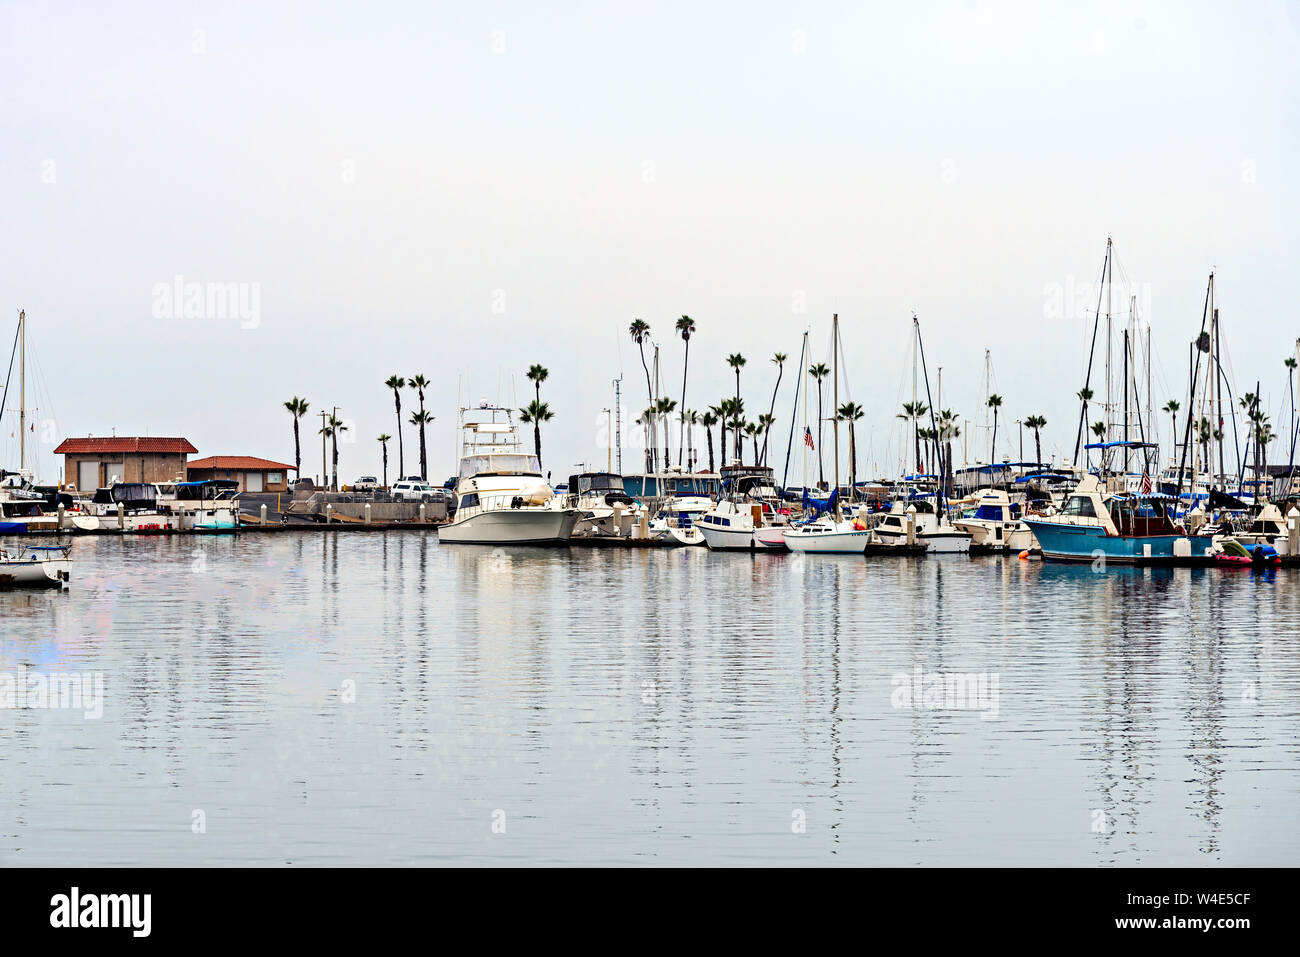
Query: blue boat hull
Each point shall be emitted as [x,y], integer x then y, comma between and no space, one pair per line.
[1086,543]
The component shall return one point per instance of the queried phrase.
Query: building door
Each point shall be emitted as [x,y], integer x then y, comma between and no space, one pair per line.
[252,481]
[87,476]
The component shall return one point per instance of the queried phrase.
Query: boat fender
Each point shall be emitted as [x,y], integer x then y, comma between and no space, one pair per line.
[1024,556]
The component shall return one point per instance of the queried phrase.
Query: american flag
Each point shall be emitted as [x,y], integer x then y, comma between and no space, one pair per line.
[1146,482]
[807,437]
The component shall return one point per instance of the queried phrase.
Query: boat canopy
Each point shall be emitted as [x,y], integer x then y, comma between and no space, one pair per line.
[508,463]
[1121,445]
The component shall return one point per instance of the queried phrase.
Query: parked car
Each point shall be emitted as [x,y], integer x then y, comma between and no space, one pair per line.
[303,483]
[415,490]
[367,483]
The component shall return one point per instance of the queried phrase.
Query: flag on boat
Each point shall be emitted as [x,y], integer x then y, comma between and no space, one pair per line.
[807,437]
[1146,482]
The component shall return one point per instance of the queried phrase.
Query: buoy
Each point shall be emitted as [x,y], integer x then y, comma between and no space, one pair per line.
[1024,556]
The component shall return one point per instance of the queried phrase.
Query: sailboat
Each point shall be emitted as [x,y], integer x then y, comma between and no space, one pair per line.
[828,532]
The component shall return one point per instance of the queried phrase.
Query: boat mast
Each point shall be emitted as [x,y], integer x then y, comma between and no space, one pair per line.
[1218,385]
[1110,407]
[835,399]
[22,390]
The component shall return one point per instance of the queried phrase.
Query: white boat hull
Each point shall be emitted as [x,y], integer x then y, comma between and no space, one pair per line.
[513,526]
[739,539]
[828,543]
[47,573]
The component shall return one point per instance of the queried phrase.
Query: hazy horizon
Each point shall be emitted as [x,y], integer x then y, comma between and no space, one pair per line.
[463,192]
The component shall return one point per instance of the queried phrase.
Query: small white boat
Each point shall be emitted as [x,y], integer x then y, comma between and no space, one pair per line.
[733,526]
[826,536]
[35,566]
[929,531]
[677,520]
[995,523]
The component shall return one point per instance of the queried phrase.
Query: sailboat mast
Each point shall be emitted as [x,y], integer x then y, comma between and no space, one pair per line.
[835,395]
[1110,406]
[22,391]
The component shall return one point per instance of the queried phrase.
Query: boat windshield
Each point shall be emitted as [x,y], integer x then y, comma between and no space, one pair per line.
[510,463]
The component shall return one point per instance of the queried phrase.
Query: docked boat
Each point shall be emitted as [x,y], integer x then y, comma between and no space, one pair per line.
[35,566]
[677,521]
[1267,528]
[994,523]
[1232,552]
[501,497]
[1115,526]
[928,529]
[825,535]
[597,495]
[739,526]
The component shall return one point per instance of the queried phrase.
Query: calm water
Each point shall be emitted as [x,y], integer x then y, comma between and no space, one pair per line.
[379,699]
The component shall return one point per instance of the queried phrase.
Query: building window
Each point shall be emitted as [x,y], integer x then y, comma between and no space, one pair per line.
[274,478]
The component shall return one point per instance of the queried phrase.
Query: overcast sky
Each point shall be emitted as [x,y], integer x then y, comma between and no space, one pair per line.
[461,190]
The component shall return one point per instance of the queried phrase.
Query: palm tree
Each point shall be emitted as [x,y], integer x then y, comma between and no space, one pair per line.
[752,429]
[1172,407]
[336,428]
[685,329]
[640,332]
[911,412]
[995,403]
[850,412]
[765,421]
[690,418]
[1099,429]
[537,412]
[779,359]
[1036,422]
[1205,433]
[738,426]
[297,408]
[820,371]
[664,408]
[708,420]
[397,384]
[419,383]
[383,443]
[736,361]
[1084,394]
[948,430]
[1263,436]
[537,375]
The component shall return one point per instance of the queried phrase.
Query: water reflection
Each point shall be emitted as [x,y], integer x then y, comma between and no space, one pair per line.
[382,698]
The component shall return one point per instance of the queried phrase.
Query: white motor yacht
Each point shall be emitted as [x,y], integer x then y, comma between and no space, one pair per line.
[501,497]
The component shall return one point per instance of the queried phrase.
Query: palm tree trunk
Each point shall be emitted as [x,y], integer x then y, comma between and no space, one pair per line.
[708,434]
[1038,448]
[334,457]
[297,449]
[821,468]
[686,364]
[537,441]
[385,465]
[993,446]
[401,456]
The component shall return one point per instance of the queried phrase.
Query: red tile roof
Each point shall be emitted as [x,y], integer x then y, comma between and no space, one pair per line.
[239,463]
[124,444]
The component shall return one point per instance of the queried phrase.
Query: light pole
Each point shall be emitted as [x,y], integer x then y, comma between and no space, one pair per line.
[1021,423]
[324,470]
[609,440]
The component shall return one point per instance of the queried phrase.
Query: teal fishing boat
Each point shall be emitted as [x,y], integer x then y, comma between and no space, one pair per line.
[1117,526]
